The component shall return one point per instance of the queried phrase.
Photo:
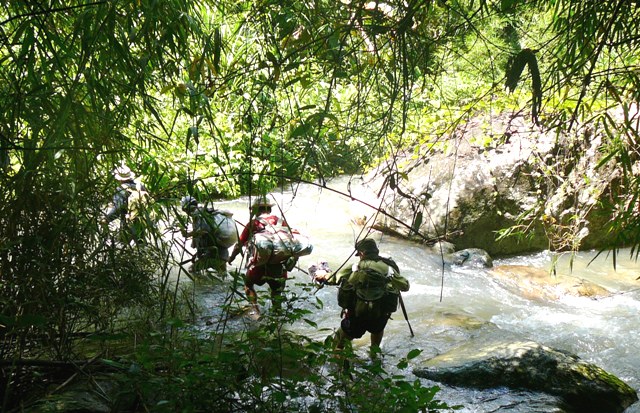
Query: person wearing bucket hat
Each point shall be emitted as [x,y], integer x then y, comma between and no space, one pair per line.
[368,294]
[127,203]
[275,275]
[260,204]
[124,174]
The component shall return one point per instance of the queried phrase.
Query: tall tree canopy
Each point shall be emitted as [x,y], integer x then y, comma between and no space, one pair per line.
[298,89]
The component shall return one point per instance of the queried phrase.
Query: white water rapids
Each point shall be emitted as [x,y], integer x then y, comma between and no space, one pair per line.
[602,331]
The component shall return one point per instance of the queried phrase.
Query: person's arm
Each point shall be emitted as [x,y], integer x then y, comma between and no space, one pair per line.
[242,240]
[119,202]
[188,233]
[202,220]
[331,278]
[399,281]
[236,250]
[193,228]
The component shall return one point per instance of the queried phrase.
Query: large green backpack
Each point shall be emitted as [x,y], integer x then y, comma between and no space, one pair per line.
[370,296]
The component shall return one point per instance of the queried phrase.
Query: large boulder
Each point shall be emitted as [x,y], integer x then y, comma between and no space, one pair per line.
[466,192]
[527,365]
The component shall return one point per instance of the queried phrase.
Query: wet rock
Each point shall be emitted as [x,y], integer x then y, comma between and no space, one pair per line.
[537,283]
[442,247]
[467,192]
[471,257]
[527,365]
[457,320]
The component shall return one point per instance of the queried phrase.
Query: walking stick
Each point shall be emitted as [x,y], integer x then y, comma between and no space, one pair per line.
[404,311]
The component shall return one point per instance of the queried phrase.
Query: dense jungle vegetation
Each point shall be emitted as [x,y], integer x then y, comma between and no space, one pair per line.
[226,98]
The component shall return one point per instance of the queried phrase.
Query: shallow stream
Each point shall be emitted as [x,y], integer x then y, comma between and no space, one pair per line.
[448,305]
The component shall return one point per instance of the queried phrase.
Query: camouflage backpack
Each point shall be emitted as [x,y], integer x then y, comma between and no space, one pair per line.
[368,293]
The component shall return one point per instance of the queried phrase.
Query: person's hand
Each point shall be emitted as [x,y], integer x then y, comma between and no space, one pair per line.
[234,253]
[321,276]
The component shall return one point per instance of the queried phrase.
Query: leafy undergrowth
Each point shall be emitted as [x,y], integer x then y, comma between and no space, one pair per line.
[263,368]
[267,369]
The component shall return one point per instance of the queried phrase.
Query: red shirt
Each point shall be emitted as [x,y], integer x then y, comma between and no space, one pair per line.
[256,275]
[257,225]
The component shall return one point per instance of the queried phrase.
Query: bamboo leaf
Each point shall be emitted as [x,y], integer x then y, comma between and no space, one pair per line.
[217,49]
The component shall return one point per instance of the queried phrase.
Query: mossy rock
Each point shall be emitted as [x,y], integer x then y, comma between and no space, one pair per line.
[527,365]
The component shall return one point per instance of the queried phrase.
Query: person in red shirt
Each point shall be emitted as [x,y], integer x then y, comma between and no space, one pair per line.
[275,275]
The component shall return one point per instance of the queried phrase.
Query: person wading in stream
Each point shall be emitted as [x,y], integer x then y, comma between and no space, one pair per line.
[368,294]
[129,204]
[275,275]
[209,252]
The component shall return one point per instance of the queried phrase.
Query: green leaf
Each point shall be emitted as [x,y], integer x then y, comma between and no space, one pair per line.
[217,49]
[29,320]
[301,130]
[417,222]
[27,43]
[279,397]
[114,363]
[175,322]
[414,353]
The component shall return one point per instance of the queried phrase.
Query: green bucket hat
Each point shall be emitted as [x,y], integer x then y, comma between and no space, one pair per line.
[367,246]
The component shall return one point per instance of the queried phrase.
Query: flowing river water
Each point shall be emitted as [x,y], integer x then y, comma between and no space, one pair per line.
[448,305]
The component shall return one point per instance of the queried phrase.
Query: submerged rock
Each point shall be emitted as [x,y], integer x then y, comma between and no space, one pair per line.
[537,283]
[463,321]
[527,365]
